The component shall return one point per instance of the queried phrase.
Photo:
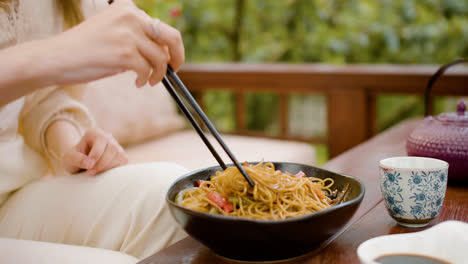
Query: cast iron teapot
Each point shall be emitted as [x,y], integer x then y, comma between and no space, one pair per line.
[445,136]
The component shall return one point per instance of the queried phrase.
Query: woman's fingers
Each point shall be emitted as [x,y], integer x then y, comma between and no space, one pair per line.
[110,153]
[166,36]
[142,67]
[122,160]
[98,145]
[83,146]
[104,153]
[76,159]
[171,37]
[154,56]
[157,56]
[111,159]
[106,159]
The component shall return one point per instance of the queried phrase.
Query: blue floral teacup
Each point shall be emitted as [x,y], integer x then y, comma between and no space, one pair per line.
[413,188]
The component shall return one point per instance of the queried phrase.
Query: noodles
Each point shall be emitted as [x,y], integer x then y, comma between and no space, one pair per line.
[276,194]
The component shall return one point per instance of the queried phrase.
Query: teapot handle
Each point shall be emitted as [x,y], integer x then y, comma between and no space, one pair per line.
[432,80]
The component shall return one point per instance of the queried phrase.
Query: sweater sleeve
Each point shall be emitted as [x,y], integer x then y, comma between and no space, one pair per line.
[45,107]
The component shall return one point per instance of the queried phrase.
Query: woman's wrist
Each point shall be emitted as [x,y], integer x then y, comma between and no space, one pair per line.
[61,136]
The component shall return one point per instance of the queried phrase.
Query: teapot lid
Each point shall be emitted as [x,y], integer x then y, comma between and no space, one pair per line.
[459,118]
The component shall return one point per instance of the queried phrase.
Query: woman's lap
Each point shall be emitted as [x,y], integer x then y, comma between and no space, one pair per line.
[36,252]
[123,209]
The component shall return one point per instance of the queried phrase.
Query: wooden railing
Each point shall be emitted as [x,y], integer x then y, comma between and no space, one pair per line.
[351,92]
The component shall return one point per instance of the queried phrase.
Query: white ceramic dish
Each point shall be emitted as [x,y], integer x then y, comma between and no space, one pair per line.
[446,241]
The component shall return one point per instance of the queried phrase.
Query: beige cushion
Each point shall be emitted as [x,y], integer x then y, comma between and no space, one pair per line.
[188,150]
[130,114]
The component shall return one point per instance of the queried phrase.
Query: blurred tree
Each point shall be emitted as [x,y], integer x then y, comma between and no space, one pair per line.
[307,31]
[332,31]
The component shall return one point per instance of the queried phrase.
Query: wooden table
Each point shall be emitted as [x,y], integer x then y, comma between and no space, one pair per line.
[371,219]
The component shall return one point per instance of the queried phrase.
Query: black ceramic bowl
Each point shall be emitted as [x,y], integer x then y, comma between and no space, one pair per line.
[266,240]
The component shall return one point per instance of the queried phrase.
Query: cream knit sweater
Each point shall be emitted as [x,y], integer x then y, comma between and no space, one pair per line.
[23,123]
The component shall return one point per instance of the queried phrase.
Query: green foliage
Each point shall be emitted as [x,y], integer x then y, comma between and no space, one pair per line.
[321,150]
[332,31]
[220,109]
[308,31]
[263,112]
[402,106]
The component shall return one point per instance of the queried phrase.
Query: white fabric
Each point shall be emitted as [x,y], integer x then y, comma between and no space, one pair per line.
[15,251]
[9,116]
[19,165]
[123,209]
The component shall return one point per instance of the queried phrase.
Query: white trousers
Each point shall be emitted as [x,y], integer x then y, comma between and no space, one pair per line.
[123,209]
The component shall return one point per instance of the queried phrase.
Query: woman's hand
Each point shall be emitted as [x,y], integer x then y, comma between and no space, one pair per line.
[96,152]
[119,38]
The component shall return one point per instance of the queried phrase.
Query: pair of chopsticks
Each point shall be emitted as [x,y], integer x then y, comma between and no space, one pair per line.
[172,76]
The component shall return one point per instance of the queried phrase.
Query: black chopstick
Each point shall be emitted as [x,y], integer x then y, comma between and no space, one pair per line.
[192,121]
[178,83]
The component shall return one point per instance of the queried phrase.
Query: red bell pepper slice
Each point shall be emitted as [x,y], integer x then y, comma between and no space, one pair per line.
[220,201]
[199,182]
[228,207]
[300,174]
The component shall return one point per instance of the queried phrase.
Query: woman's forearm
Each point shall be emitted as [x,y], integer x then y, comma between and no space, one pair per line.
[21,71]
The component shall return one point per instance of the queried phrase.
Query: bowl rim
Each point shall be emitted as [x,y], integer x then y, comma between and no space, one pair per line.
[358,199]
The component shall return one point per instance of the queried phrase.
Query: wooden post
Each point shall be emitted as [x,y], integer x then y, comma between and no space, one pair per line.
[372,128]
[347,119]
[284,115]
[240,111]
